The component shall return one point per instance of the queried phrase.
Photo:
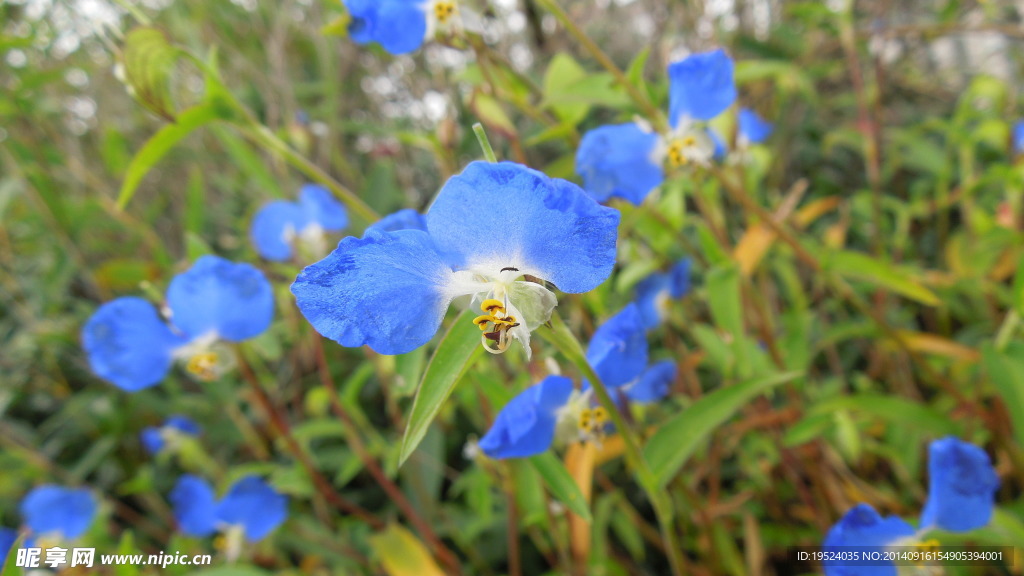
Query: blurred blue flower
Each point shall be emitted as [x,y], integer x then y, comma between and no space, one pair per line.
[752,127]
[251,507]
[129,345]
[654,383]
[654,293]
[526,425]
[280,224]
[399,26]
[962,486]
[864,528]
[407,219]
[490,227]
[627,160]
[156,439]
[7,539]
[1018,137]
[618,348]
[55,511]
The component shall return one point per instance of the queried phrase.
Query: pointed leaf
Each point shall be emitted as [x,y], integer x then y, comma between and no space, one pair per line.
[561,484]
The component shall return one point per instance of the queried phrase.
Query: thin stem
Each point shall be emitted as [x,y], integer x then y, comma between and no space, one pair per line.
[394,492]
[642,102]
[1007,330]
[485,144]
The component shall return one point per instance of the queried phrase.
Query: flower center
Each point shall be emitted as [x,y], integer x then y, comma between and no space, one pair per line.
[591,422]
[203,366]
[678,150]
[495,325]
[444,10]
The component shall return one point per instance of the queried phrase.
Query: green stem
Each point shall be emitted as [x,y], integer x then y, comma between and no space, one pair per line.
[562,337]
[485,144]
[642,102]
[1007,330]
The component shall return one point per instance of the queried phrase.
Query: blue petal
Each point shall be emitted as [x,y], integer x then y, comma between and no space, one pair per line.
[7,539]
[269,228]
[652,293]
[864,528]
[128,344]
[654,383]
[618,349]
[234,300]
[183,424]
[400,26]
[407,219]
[753,126]
[616,161]
[194,506]
[498,215]
[66,511]
[323,208]
[152,439]
[701,86]
[1018,137]
[389,290]
[962,486]
[679,284]
[254,505]
[526,425]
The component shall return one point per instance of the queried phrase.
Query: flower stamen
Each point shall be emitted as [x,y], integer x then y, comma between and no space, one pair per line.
[495,326]
[444,10]
[203,366]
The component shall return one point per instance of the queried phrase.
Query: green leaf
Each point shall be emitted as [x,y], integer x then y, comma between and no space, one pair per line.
[561,483]
[1006,371]
[560,75]
[402,554]
[857,266]
[723,292]
[127,548]
[459,347]
[149,59]
[490,112]
[232,571]
[161,143]
[678,439]
[1018,287]
[894,410]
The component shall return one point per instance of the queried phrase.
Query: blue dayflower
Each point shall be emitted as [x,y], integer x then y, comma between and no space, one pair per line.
[654,383]
[1018,137]
[407,219]
[962,486]
[618,349]
[155,439]
[753,128]
[279,225]
[489,229]
[863,528]
[620,161]
[251,508]
[55,511]
[627,160]
[130,346]
[526,425]
[654,293]
[399,26]
[7,539]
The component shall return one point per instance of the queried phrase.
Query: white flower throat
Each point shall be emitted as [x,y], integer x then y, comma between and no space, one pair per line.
[512,308]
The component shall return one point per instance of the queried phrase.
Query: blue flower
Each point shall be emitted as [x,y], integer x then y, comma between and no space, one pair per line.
[279,224]
[654,293]
[251,508]
[961,486]
[489,228]
[155,439]
[51,510]
[526,425]
[863,528]
[407,219]
[618,349]
[1018,137]
[7,539]
[130,346]
[654,383]
[399,26]
[752,127]
[627,160]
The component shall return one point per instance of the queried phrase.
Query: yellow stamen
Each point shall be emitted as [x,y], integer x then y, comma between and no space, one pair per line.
[493,306]
[203,366]
[444,10]
[484,320]
[676,158]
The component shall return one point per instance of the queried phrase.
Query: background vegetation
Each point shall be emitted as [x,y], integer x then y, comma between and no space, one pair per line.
[874,246]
